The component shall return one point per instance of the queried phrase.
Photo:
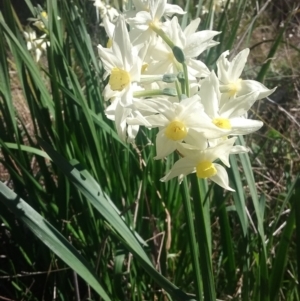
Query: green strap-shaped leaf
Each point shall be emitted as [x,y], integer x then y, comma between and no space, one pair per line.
[87,185]
[51,238]
[28,149]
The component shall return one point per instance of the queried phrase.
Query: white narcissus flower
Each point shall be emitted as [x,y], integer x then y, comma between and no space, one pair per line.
[229,117]
[149,17]
[120,63]
[36,45]
[105,10]
[177,122]
[124,69]
[155,9]
[201,162]
[41,22]
[192,44]
[30,37]
[231,85]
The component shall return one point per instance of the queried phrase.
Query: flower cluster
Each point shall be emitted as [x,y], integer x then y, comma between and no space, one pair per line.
[157,81]
[38,44]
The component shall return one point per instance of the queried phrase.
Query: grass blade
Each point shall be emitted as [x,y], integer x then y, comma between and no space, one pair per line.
[51,238]
[279,265]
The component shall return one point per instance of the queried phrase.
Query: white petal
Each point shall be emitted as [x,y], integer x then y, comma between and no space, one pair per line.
[237,65]
[223,65]
[157,8]
[191,151]
[141,18]
[158,120]
[109,59]
[161,67]
[192,27]
[197,68]
[121,114]
[111,109]
[164,146]
[126,96]
[197,139]
[121,46]
[38,54]
[156,105]
[132,131]
[29,45]
[108,93]
[252,85]
[210,95]
[198,42]
[182,167]
[243,126]
[109,26]
[175,33]
[221,151]
[138,119]
[235,107]
[239,149]
[171,9]
[149,105]
[191,104]
[221,178]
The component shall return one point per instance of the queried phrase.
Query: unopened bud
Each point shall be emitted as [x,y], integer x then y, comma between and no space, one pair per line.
[178,53]
[170,92]
[169,78]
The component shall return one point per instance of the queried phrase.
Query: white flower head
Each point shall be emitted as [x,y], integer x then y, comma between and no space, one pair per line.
[123,68]
[149,16]
[192,44]
[105,10]
[201,162]
[35,44]
[177,122]
[41,22]
[228,118]
[231,85]
[120,63]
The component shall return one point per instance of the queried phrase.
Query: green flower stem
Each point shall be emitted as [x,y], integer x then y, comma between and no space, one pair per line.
[180,57]
[178,53]
[161,33]
[202,226]
[158,92]
[186,77]
[178,88]
[192,238]
[181,80]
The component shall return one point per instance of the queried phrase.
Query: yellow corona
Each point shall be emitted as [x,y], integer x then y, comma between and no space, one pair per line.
[205,169]
[176,130]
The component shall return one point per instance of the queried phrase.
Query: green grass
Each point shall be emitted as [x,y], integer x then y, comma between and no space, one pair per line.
[98,210]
